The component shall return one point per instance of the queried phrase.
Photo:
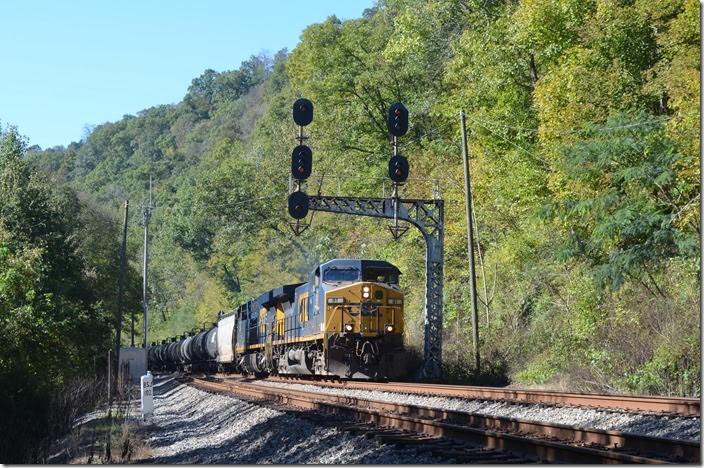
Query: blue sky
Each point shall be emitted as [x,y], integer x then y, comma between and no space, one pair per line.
[68,64]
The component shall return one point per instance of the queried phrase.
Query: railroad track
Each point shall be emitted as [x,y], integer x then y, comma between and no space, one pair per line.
[464,436]
[665,405]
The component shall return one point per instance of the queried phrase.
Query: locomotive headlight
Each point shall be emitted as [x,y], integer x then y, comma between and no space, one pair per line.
[335,300]
[365,289]
[365,292]
[349,327]
[389,328]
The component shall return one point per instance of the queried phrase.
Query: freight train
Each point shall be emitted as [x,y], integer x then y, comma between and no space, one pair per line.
[346,322]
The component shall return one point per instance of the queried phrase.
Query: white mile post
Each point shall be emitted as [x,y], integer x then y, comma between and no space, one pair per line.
[146,384]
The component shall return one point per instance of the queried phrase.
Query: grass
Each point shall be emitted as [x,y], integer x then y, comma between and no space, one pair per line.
[106,437]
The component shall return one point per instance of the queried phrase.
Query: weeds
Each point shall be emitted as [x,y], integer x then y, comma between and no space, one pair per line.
[107,435]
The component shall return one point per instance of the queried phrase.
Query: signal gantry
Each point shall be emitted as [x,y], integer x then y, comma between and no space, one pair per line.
[426,215]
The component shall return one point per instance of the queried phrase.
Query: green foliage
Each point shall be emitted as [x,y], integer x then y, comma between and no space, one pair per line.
[54,274]
[587,234]
[625,202]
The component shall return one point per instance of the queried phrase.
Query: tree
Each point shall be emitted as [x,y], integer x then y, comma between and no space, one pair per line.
[624,214]
[53,322]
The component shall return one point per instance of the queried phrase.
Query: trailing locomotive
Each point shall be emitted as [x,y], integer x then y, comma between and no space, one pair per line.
[346,322]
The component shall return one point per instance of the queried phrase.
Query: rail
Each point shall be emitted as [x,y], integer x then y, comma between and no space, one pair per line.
[682,406]
[549,442]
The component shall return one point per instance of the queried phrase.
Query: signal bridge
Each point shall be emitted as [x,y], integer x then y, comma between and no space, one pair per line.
[426,215]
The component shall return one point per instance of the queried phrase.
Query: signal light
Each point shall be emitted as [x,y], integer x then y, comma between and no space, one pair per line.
[397,122]
[298,205]
[302,112]
[301,162]
[398,168]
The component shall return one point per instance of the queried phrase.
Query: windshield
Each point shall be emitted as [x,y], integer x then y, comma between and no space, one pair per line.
[380,275]
[341,274]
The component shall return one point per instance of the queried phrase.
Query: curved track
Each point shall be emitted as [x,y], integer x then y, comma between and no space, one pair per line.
[671,405]
[513,438]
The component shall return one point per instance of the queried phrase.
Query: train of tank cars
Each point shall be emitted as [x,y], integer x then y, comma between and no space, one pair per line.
[346,322]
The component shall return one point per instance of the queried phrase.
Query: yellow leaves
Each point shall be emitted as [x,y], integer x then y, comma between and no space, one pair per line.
[581,89]
[676,22]
[548,27]
[211,300]
[676,76]
[413,32]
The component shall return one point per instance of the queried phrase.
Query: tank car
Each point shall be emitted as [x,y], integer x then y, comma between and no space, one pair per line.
[172,358]
[184,353]
[203,350]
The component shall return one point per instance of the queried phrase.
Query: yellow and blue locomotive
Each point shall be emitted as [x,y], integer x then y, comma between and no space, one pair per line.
[346,322]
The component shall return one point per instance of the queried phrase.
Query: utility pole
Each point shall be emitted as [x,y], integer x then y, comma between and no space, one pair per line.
[109,386]
[118,325]
[147,214]
[470,242]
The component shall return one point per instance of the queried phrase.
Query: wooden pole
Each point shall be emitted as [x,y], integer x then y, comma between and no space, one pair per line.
[109,381]
[470,242]
[147,215]
[118,323]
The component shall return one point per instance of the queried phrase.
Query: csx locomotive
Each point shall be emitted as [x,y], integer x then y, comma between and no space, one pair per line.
[345,322]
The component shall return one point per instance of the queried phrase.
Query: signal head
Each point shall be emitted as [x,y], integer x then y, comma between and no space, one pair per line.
[298,205]
[397,122]
[302,112]
[398,168]
[301,162]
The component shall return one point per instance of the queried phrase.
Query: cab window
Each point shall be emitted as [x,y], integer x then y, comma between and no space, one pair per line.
[380,275]
[333,275]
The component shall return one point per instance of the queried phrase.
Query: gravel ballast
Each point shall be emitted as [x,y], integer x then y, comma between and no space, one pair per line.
[684,428]
[193,426]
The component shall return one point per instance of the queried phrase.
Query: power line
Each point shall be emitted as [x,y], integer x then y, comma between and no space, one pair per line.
[241,202]
[214,205]
[579,130]
[481,123]
[430,132]
[512,143]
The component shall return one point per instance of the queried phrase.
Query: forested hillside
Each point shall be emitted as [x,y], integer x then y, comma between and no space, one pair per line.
[583,121]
